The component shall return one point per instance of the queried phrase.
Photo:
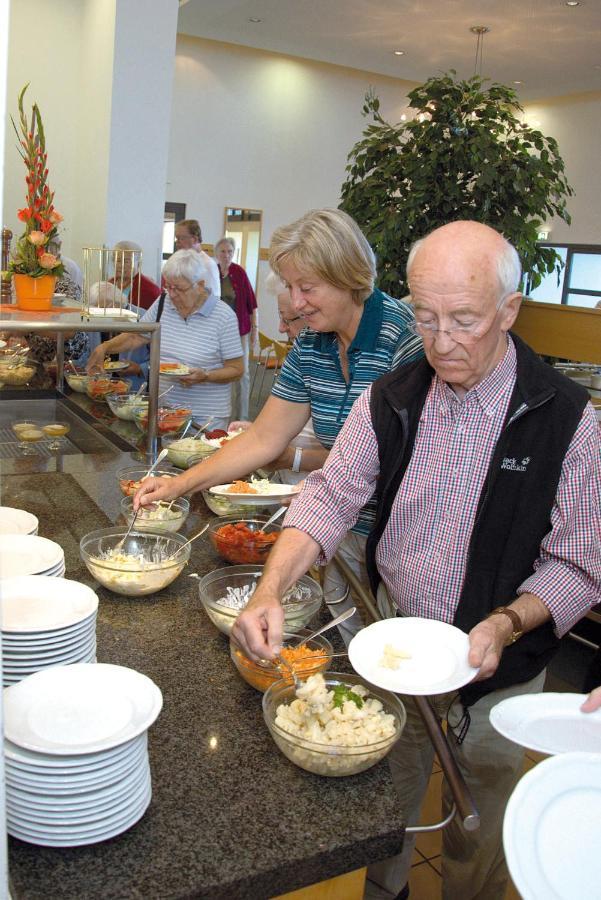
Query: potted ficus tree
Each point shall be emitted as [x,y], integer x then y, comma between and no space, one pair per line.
[33,267]
[465,154]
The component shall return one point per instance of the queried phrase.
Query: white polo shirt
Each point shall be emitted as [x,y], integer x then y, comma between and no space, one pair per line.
[205,340]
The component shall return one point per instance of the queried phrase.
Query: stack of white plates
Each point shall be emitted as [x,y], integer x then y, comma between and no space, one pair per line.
[77,768]
[28,554]
[45,622]
[17,521]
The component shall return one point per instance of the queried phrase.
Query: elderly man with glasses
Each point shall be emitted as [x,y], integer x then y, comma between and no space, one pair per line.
[485,466]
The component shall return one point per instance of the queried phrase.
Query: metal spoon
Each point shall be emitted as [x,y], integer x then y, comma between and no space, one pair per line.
[127,533]
[166,392]
[275,516]
[341,618]
[179,549]
[158,460]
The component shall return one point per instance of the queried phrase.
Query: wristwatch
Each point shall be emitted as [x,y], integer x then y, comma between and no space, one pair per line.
[516,622]
[296,463]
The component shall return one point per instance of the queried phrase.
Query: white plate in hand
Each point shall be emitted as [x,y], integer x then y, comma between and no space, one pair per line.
[182,369]
[437,652]
[551,829]
[80,708]
[275,492]
[549,723]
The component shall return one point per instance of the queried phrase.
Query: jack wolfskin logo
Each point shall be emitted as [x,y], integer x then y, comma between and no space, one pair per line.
[514,465]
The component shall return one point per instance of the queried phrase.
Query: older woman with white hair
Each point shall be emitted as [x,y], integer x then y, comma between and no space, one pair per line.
[197,329]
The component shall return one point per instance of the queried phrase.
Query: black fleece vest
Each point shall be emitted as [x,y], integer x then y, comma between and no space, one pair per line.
[514,508]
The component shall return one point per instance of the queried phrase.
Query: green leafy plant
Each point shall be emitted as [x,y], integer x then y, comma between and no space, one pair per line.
[465,155]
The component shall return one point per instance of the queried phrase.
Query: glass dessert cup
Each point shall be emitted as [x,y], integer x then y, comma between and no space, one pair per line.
[56,431]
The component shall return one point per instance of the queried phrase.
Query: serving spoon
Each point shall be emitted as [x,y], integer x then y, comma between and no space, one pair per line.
[275,516]
[341,618]
[193,538]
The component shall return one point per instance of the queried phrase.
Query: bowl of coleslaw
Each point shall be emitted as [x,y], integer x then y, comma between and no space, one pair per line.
[224,593]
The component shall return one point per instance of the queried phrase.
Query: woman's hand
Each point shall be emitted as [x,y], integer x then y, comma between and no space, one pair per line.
[132,369]
[195,376]
[153,489]
[95,362]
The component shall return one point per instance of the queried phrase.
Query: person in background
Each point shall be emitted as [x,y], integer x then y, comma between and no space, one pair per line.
[354,333]
[197,329]
[103,294]
[139,289]
[70,283]
[188,236]
[486,466]
[237,292]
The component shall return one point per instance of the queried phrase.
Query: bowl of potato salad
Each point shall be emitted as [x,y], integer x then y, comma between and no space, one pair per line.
[333,725]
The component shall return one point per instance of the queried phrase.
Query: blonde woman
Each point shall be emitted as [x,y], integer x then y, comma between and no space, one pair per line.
[354,334]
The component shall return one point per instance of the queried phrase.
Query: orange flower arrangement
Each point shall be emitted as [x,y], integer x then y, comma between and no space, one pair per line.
[32,256]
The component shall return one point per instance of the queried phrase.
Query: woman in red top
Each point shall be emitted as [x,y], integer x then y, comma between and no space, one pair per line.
[237,292]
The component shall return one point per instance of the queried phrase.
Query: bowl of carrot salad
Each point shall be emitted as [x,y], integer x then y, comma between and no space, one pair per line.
[308,658]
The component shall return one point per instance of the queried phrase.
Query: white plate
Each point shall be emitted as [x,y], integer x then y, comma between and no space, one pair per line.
[29,554]
[16,650]
[551,829]
[34,663]
[17,521]
[276,492]
[182,369]
[111,312]
[36,603]
[23,638]
[87,836]
[549,723]
[55,783]
[80,708]
[84,762]
[115,365]
[438,660]
[81,816]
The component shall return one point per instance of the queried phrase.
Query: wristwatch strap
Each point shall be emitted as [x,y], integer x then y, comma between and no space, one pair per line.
[296,463]
[516,622]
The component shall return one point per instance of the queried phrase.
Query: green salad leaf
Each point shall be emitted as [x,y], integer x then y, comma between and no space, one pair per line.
[342,692]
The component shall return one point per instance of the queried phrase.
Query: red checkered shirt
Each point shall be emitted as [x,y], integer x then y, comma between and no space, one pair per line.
[423,551]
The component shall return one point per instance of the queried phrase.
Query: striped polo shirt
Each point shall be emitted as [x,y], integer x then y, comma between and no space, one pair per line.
[312,372]
[205,340]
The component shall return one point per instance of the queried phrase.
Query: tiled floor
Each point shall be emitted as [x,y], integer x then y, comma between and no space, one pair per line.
[425,881]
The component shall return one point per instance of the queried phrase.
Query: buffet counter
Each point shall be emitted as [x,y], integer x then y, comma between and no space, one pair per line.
[230,816]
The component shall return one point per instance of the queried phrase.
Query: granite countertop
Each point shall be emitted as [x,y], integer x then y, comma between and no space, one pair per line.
[230,816]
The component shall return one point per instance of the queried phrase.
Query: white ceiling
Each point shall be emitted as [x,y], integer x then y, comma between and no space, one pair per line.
[552,48]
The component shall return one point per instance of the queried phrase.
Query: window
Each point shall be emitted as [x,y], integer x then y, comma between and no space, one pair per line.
[579,280]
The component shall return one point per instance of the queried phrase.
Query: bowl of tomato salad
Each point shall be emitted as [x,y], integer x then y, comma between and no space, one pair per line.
[98,387]
[239,540]
[170,419]
[132,477]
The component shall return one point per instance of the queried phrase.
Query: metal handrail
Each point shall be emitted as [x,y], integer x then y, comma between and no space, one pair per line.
[464,804]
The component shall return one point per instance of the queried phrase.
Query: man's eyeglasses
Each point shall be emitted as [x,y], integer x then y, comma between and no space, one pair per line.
[289,321]
[461,334]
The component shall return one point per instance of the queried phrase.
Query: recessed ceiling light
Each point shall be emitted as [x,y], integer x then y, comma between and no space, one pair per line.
[517,82]
[572,2]
[255,21]
[399,52]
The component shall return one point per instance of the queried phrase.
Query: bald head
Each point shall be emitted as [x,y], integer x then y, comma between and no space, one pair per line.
[478,247]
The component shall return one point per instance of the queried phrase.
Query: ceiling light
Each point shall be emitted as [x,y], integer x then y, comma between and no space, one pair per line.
[255,21]
[517,82]
[572,2]
[399,52]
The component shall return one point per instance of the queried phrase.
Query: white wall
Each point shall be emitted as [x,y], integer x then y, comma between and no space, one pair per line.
[102,78]
[575,123]
[254,129]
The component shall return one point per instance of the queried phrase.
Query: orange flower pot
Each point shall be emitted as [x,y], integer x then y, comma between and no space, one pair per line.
[34,293]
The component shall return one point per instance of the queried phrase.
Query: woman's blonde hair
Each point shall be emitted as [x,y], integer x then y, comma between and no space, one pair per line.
[329,244]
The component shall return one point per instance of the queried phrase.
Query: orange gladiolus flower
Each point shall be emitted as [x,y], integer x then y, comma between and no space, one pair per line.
[25,214]
[46,225]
